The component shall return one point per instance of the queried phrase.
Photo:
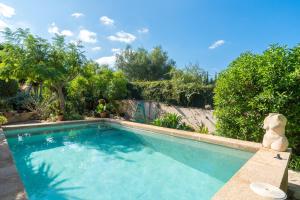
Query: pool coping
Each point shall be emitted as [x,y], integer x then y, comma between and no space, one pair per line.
[261,167]
[11,186]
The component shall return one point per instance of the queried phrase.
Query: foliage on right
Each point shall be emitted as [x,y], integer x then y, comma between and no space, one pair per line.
[257,84]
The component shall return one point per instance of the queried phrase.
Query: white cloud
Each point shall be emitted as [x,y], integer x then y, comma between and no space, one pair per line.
[122,37]
[67,33]
[53,29]
[116,50]
[87,36]
[109,60]
[96,48]
[77,15]
[3,25]
[143,30]
[6,11]
[106,20]
[217,44]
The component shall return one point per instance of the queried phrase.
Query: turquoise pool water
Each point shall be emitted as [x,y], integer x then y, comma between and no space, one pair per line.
[105,161]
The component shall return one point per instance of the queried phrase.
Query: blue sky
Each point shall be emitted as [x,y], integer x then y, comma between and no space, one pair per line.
[210,32]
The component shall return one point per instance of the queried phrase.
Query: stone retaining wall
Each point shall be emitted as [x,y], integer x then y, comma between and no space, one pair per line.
[147,111]
[14,117]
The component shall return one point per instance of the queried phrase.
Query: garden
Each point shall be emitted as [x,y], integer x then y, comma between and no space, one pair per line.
[56,81]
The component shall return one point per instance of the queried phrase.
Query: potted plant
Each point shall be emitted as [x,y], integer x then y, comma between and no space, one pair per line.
[101,108]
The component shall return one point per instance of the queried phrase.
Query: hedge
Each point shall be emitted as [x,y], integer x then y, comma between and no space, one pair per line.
[168,92]
[255,85]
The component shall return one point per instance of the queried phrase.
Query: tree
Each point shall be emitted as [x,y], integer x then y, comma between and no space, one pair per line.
[29,58]
[24,57]
[192,73]
[65,63]
[142,65]
[189,83]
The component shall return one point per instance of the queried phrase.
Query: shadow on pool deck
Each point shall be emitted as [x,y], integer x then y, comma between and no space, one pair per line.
[294,185]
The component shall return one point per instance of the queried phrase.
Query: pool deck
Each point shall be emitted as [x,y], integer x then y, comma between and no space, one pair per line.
[262,167]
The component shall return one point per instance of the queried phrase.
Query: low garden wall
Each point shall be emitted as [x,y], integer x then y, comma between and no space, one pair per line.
[14,117]
[147,111]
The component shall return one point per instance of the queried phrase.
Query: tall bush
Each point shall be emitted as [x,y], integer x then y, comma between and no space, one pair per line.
[3,120]
[94,83]
[8,88]
[257,84]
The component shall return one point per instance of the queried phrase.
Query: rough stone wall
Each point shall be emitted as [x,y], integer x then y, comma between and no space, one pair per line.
[14,117]
[147,111]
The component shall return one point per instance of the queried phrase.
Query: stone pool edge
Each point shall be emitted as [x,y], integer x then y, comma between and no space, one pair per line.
[261,167]
[11,186]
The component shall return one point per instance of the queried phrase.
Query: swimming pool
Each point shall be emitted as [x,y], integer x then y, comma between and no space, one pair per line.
[108,161]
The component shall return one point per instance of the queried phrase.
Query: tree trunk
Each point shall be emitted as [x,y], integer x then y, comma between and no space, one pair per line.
[61,98]
[35,90]
[41,90]
[28,89]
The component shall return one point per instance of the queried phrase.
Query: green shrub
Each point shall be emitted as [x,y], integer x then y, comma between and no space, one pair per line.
[8,88]
[100,82]
[3,120]
[42,107]
[18,101]
[295,162]
[112,107]
[202,129]
[117,87]
[185,127]
[171,120]
[72,116]
[254,85]
[80,93]
[5,105]
[101,108]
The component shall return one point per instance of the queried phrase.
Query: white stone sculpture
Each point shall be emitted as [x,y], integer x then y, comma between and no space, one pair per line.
[274,138]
